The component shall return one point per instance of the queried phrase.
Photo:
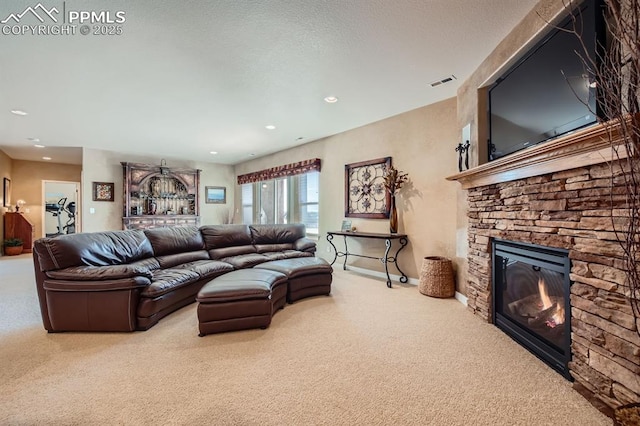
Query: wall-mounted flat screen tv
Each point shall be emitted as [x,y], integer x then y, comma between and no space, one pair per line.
[549,92]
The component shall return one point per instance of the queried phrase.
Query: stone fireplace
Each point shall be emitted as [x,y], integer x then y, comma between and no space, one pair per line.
[562,195]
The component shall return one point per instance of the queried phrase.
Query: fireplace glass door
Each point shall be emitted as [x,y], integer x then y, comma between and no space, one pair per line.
[531,291]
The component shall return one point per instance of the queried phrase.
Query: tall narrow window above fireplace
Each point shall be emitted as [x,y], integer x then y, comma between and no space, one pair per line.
[531,303]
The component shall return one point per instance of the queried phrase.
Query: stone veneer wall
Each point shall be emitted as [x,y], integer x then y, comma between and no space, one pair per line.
[569,210]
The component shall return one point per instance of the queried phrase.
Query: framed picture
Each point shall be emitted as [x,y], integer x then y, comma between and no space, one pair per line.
[215,194]
[103,191]
[6,192]
[365,194]
[346,226]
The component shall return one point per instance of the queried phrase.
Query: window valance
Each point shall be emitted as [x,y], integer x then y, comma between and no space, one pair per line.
[292,169]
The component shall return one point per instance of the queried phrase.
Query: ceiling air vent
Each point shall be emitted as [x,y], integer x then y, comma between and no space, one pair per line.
[443,81]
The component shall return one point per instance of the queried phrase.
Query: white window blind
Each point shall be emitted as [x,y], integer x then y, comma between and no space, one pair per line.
[308,201]
[247,203]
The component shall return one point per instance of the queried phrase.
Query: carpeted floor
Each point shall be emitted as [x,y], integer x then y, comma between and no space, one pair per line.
[366,355]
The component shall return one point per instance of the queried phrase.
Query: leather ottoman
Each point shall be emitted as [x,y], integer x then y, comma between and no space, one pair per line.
[308,276]
[240,300]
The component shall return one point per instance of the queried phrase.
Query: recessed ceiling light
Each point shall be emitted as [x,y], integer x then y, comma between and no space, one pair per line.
[18,112]
[213,152]
[33,139]
[299,138]
[39,146]
[252,155]
[331,99]
[46,158]
[270,127]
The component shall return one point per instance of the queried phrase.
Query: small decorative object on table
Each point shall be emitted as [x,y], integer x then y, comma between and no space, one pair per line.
[393,181]
[436,277]
[12,246]
[19,204]
[346,226]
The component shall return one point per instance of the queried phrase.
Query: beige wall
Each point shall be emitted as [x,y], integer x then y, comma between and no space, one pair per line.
[472,103]
[5,172]
[104,166]
[422,143]
[27,177]
[472,99]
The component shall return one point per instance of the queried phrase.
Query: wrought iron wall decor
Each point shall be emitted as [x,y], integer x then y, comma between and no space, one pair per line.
[365,194]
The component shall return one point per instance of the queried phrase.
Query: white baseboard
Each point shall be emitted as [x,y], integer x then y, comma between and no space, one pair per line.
[461,298]
[396,279]
[378,274]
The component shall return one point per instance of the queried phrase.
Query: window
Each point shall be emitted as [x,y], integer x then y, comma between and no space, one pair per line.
[247,203]
[308,201]
[273,201]
[294,199]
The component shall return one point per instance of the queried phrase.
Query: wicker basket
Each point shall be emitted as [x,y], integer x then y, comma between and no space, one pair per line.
[436,277]
[627,415]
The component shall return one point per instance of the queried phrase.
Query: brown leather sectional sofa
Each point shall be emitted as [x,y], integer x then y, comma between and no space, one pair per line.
[129,280]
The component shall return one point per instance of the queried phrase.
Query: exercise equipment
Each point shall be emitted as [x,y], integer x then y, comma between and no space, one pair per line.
[57,210]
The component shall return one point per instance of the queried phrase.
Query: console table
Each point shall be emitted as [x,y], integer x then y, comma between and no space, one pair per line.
[385,259]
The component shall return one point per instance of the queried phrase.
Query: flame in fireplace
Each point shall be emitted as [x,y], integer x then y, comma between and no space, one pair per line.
[558,316]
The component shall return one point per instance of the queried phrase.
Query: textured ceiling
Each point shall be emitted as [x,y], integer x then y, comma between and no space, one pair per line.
[189,77]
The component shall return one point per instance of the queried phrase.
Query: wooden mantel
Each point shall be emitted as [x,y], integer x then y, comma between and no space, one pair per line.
[585,147]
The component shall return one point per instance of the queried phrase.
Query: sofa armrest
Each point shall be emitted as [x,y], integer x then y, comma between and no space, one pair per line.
[305,244]
[99,273]
[95,286]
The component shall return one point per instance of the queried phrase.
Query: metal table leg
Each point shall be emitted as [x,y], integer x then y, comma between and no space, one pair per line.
[335,250]
[346,254]
[403,276]
[385,260]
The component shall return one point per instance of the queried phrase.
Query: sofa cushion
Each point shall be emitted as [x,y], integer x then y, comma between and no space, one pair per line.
[179,239]
[206,268]
[297,267]
[245,260]
[305,244]
[277,234]
[95,286]
[287,254]
[274,255]
[110,272]
[167,280]
[264,248]
[223,253]
[171,260]
[92,249]
[241,285]
[224,241]
[220,236]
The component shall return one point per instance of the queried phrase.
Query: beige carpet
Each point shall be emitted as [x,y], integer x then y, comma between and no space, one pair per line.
[367,355]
